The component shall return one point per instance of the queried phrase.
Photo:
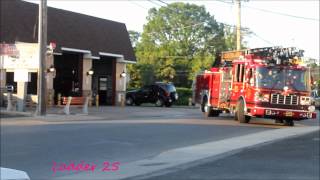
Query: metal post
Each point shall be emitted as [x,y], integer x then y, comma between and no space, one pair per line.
[238,4]
[66,109]
[59,99]
[9,102]
[97,100]
[85,105]
[42,40]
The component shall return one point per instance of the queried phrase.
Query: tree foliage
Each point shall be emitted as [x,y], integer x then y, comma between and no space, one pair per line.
[178,41]
[134,37]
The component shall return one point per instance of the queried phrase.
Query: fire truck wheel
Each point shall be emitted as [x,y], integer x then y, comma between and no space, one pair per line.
[279,121]
[235,116]
[206,109]
[159,102]
[214,113]
[240,112]
[203,104]
[289,122]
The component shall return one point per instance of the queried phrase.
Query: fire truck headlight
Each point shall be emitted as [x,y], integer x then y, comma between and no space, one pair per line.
[305,100]
[311,108]
[258,96]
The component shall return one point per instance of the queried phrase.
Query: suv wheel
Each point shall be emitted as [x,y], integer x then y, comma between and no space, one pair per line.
[137,103]
[129,101]
[159,102]
[168,104]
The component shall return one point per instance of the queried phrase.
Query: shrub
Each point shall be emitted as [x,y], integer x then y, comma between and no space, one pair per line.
[184,95]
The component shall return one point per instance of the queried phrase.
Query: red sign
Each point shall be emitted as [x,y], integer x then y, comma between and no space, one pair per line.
[9,49]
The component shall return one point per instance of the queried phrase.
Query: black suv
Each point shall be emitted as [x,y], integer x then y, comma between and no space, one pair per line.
[162,94]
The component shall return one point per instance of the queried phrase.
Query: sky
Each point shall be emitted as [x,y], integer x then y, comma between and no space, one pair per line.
[284,23]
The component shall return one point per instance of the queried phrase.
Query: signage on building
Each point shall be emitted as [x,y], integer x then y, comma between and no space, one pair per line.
[9,50]
[19,56]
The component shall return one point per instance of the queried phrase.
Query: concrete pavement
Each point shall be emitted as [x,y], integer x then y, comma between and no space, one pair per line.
[187,156]
[33,148]
[134,139]
[290,159]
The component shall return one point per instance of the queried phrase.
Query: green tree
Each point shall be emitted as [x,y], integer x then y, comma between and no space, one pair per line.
[132,69]
[231,37]
[134,37]
[140,75]
[179,40]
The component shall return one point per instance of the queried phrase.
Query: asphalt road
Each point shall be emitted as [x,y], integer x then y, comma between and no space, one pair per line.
[34,148]
[295,158]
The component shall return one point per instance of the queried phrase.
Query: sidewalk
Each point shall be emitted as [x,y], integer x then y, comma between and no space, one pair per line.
[97,113]
[294,158]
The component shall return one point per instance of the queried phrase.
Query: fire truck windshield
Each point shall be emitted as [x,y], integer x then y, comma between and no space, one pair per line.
[279,77]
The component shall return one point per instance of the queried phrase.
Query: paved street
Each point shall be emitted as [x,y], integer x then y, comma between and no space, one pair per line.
[295,158]
[34,144]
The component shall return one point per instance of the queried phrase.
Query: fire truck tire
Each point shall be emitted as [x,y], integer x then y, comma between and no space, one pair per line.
[214,113]
[240,112]
[235,116]
[205,108]
[289,122]
[203,104]
[279,121]
[207,111]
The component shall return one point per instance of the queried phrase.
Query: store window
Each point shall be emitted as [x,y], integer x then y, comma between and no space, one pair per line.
[10,81]
[33,83]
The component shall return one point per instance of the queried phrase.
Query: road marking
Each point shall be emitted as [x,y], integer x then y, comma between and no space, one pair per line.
[169,160]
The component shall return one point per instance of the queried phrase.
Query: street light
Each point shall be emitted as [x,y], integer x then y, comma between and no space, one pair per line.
[90,72]
[123,74]
[51,69]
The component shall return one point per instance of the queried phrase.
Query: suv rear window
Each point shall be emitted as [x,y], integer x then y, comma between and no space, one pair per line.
[168,87]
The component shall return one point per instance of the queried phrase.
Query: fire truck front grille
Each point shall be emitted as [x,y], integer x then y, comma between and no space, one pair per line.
[286,100]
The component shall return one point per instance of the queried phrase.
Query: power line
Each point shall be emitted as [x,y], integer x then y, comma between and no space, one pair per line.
[255,34]
[175,10]
[155,3]
[163,2]
[200,23]
[283,14]
[273,12]
[138,5]
[188,26]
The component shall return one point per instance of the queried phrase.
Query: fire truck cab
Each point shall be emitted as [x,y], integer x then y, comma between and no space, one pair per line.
[264,82]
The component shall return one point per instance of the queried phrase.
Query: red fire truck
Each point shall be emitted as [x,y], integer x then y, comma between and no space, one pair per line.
[264,82]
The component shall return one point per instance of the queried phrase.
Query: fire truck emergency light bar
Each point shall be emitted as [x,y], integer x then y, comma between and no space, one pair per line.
[276,55]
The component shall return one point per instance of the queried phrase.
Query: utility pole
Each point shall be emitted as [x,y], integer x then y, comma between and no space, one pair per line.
[42,40]
[238,11]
